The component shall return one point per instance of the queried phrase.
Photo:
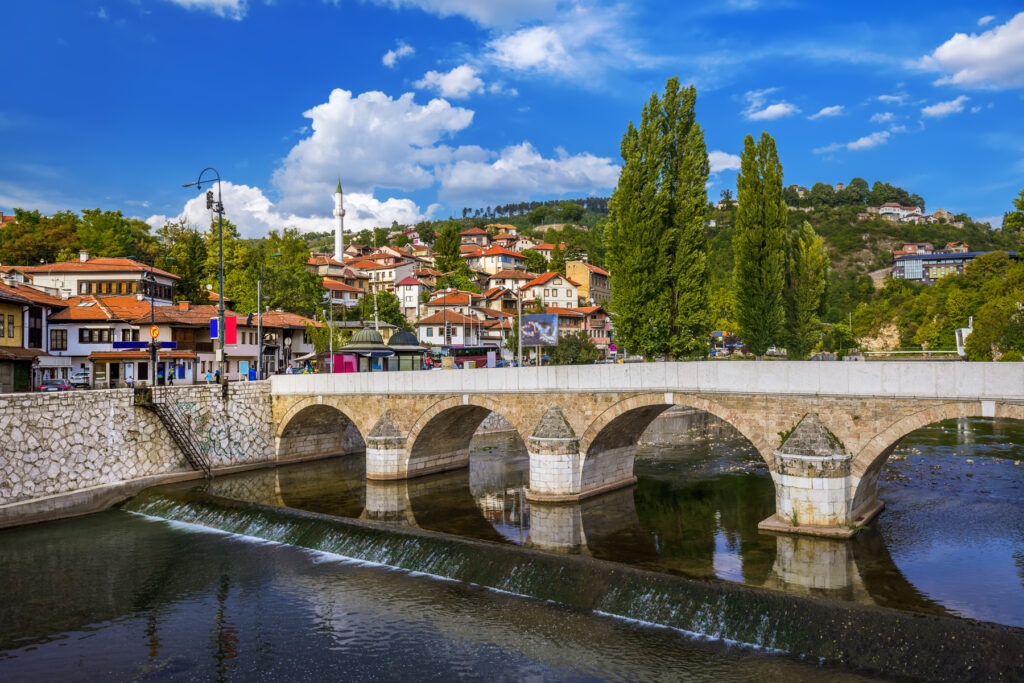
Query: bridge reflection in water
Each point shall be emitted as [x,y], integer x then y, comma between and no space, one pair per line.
[693,512]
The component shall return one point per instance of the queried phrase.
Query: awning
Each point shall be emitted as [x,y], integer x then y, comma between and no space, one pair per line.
[133,354]
[309,356]
[46,361]
[16,353]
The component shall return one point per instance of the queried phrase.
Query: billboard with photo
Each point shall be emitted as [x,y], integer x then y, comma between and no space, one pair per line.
[540,330]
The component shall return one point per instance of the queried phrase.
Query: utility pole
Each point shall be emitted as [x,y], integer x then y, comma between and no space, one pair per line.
[217,206]
[519,325]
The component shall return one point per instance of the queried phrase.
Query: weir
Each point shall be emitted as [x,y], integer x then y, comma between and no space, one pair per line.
[868,638]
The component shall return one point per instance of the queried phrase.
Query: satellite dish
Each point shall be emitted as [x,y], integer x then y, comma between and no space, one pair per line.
[209,288]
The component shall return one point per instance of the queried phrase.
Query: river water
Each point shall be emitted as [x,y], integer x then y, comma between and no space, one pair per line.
[124,596]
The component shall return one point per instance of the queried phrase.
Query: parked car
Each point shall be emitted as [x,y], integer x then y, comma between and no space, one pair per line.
[80,378]
[54,385]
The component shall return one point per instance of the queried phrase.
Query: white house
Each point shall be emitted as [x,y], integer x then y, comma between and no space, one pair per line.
[449,328]
[495,259]
[409,292]
[343,294]
[552,289]
[103,277]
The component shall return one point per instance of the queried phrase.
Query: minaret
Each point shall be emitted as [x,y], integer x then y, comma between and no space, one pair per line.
[339,226]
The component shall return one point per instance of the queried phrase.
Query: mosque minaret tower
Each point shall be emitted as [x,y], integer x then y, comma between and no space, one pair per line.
[339,225]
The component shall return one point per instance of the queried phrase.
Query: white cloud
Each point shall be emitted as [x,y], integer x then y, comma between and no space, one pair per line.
[489,13]
[899,98]
[371,141]
[834,110]
[758,109]
[459,83]
[101,13]
[723,161]
[374,141]
[995,221]
[255,215]
[584,40]
[866,142]
[521,171]
[985,20]
[538,48]
[157,221]
[993,59]
[883,117]
[391,57]
[869,141]
[941,109]
[230,9]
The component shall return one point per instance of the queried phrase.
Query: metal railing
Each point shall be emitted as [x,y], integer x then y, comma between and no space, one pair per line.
[176,424]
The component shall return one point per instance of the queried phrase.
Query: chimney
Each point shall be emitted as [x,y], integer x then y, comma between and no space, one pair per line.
[184,305]
[83,255]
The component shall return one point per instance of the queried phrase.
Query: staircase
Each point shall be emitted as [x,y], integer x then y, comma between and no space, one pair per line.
[176,424]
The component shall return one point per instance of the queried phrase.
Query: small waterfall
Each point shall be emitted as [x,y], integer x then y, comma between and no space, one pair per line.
[865,637]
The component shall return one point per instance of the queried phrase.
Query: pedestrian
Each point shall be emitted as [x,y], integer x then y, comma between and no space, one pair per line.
[289,371]
[209,376]
[216,376]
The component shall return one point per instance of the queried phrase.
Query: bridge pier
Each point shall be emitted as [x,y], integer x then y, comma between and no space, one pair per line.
[814,485]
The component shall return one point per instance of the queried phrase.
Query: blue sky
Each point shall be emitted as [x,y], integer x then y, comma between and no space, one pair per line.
[425,106]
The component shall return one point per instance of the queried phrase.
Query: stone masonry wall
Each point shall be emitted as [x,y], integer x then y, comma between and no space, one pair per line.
[63,442]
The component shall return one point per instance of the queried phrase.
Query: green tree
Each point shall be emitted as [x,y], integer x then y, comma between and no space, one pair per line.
[570,212]
[33,238]
[805,291]
[365,237]
[759,246]
[288,283]
[380,237]
[574,349]
[389,310]
[238,258]
[1013,221]
[108,233]
[425,231]
[539,215]
[535,262]
[557,262]
[447,246]
[458,280]
[656,247]
[185,256]
[320,334]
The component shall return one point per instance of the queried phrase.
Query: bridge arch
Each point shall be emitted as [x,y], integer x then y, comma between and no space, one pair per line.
[868,462]
[440,436]
[607,444]
[313,427]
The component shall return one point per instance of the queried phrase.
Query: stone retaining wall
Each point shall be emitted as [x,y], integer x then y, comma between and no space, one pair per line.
[59,443]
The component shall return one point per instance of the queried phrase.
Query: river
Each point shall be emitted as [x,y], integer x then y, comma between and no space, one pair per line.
[120,595]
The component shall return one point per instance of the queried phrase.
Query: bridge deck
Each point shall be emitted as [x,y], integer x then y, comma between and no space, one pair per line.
[896,379]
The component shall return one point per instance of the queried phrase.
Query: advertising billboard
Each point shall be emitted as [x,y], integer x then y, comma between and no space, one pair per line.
[540,330]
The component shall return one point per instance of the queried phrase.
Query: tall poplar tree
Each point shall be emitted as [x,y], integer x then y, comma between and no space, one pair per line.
[447,247]
[759,246]
[657,251]
[805,290]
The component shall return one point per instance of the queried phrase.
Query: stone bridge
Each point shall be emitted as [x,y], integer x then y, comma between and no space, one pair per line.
[824,429]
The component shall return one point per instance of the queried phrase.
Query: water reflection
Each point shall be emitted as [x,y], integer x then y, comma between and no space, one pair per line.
[954,513]
[115,596]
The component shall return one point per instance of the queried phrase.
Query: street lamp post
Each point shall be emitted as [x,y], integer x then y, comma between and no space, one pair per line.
[150,279]
[218,206]
[259,316]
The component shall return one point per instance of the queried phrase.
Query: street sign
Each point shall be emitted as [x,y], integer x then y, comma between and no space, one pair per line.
[130,345]
[168,345]
[154,331]
[613,348]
